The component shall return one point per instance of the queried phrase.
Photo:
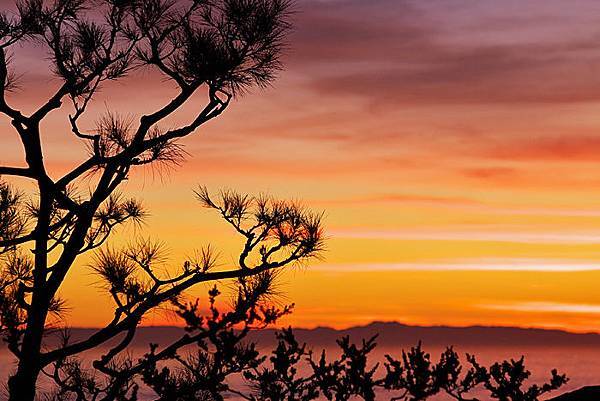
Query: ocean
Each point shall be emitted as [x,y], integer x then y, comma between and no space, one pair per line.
[580,359]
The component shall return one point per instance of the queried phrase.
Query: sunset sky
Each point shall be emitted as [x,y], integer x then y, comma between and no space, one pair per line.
[454,147]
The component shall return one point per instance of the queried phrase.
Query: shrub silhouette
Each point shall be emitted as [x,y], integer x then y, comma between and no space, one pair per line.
[281,380]
[452,381]
[293,372]
[348,376]
[415,374]
[506,381]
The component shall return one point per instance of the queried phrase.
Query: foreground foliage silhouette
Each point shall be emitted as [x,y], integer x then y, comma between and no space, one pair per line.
[292,372]
[211,48]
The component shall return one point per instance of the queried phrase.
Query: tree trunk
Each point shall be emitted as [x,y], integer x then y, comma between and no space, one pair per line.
[22,385]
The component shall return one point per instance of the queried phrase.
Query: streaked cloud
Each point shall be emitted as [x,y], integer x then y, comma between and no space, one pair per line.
[401,198]
[471,235]
[567,147]
[550,307]
[514,264]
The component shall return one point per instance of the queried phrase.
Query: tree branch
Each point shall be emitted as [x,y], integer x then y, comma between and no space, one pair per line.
[17,171]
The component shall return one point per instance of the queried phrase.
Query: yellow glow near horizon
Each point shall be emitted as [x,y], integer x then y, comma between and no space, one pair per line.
[455,153]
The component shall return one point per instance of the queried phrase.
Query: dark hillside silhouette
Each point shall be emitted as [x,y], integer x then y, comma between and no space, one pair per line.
[389,334]
[588,393]
[393,333]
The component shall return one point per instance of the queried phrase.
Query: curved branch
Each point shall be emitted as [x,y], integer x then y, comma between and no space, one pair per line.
[109,332]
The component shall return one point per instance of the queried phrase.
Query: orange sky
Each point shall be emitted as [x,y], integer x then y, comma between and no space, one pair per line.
[453,145]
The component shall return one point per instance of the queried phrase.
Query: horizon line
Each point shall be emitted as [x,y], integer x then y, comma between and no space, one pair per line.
[433,326]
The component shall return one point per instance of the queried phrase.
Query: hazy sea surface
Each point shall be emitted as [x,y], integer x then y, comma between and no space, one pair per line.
[581,363]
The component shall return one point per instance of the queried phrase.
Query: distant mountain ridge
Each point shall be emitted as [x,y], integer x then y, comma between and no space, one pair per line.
[392,334]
